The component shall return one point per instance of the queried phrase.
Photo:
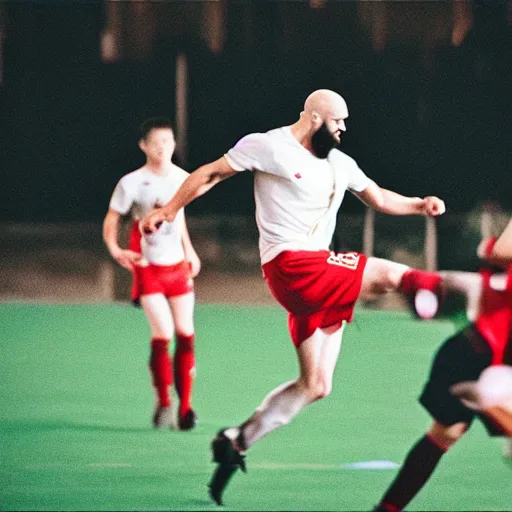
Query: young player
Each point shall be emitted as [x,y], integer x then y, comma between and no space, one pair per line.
[462,358]
[163,265]
[300,180]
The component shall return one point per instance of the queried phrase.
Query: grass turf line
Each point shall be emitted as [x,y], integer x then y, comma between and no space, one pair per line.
[76,405]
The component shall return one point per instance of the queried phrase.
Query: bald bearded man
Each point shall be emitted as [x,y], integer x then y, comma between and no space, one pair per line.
[299,182]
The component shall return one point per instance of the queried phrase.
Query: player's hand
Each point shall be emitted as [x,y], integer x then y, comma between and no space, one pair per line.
[433,206]
[152,221]
[467,392]
[127,259]
[195,263]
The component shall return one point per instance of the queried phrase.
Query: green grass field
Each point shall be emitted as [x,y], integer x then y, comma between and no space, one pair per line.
[76,405]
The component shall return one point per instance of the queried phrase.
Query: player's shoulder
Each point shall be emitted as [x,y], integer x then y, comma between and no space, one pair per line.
[253,140]
[264,138]
[179,174]
[277,133]
[133,178]
[281,136]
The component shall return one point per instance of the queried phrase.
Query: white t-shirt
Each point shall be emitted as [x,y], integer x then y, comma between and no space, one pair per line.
[297,194]
[141,191]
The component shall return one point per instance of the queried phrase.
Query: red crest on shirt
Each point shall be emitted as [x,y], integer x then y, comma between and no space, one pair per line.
[298,175]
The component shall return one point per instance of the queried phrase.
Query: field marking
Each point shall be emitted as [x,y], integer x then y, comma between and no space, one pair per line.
[371,465]
[109,465]
[72,466]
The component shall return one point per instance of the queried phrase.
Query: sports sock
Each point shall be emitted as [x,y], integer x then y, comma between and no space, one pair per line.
[161,370]
[414,280]
[416,470]
[184,370]
[278,408]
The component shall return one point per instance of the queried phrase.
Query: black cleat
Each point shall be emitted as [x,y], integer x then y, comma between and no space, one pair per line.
[219,482]
[229,458]
[189,421]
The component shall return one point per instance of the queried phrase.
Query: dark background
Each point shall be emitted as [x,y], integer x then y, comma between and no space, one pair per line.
[427,116]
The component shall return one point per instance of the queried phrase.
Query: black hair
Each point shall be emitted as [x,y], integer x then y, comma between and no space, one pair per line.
[152,123]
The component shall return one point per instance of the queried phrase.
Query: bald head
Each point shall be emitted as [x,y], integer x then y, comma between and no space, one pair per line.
[323,121]
[326,104]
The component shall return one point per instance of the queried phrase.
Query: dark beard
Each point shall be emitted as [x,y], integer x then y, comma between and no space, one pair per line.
[323,141]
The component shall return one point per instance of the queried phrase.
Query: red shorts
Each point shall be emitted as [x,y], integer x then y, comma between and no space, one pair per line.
[317,288]
[170,280]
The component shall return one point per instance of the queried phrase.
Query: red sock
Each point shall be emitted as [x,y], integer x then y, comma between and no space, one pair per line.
[414,280]
[161,369]
[184,369]
[387,507]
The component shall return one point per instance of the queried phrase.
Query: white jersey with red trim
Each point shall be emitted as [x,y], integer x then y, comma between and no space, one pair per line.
[141,191]
[297,194]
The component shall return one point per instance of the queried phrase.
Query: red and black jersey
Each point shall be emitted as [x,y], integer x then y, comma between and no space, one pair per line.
[494,321]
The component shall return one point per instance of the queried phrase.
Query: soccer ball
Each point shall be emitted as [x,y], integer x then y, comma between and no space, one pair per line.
[426,304]
[494,387]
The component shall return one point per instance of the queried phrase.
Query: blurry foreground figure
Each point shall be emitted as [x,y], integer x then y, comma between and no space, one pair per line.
[469,365]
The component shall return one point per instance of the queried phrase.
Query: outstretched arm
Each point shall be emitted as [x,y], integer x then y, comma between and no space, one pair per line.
[197,184]
[387,201]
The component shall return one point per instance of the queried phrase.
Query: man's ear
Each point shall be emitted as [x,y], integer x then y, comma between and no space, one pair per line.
[316,118]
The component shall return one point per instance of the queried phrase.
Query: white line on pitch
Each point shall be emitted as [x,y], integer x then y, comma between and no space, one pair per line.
[363,465]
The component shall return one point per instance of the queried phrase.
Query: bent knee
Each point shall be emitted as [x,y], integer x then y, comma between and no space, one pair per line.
[392,276]
[318,389]
[324,391]
[383,275]
[446,435]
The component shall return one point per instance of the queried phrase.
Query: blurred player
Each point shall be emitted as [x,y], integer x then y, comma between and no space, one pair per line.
[500,254]
[163,265]
[463,358]
[299,183]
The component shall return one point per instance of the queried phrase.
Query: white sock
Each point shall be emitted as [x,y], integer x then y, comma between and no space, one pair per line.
[278,408]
